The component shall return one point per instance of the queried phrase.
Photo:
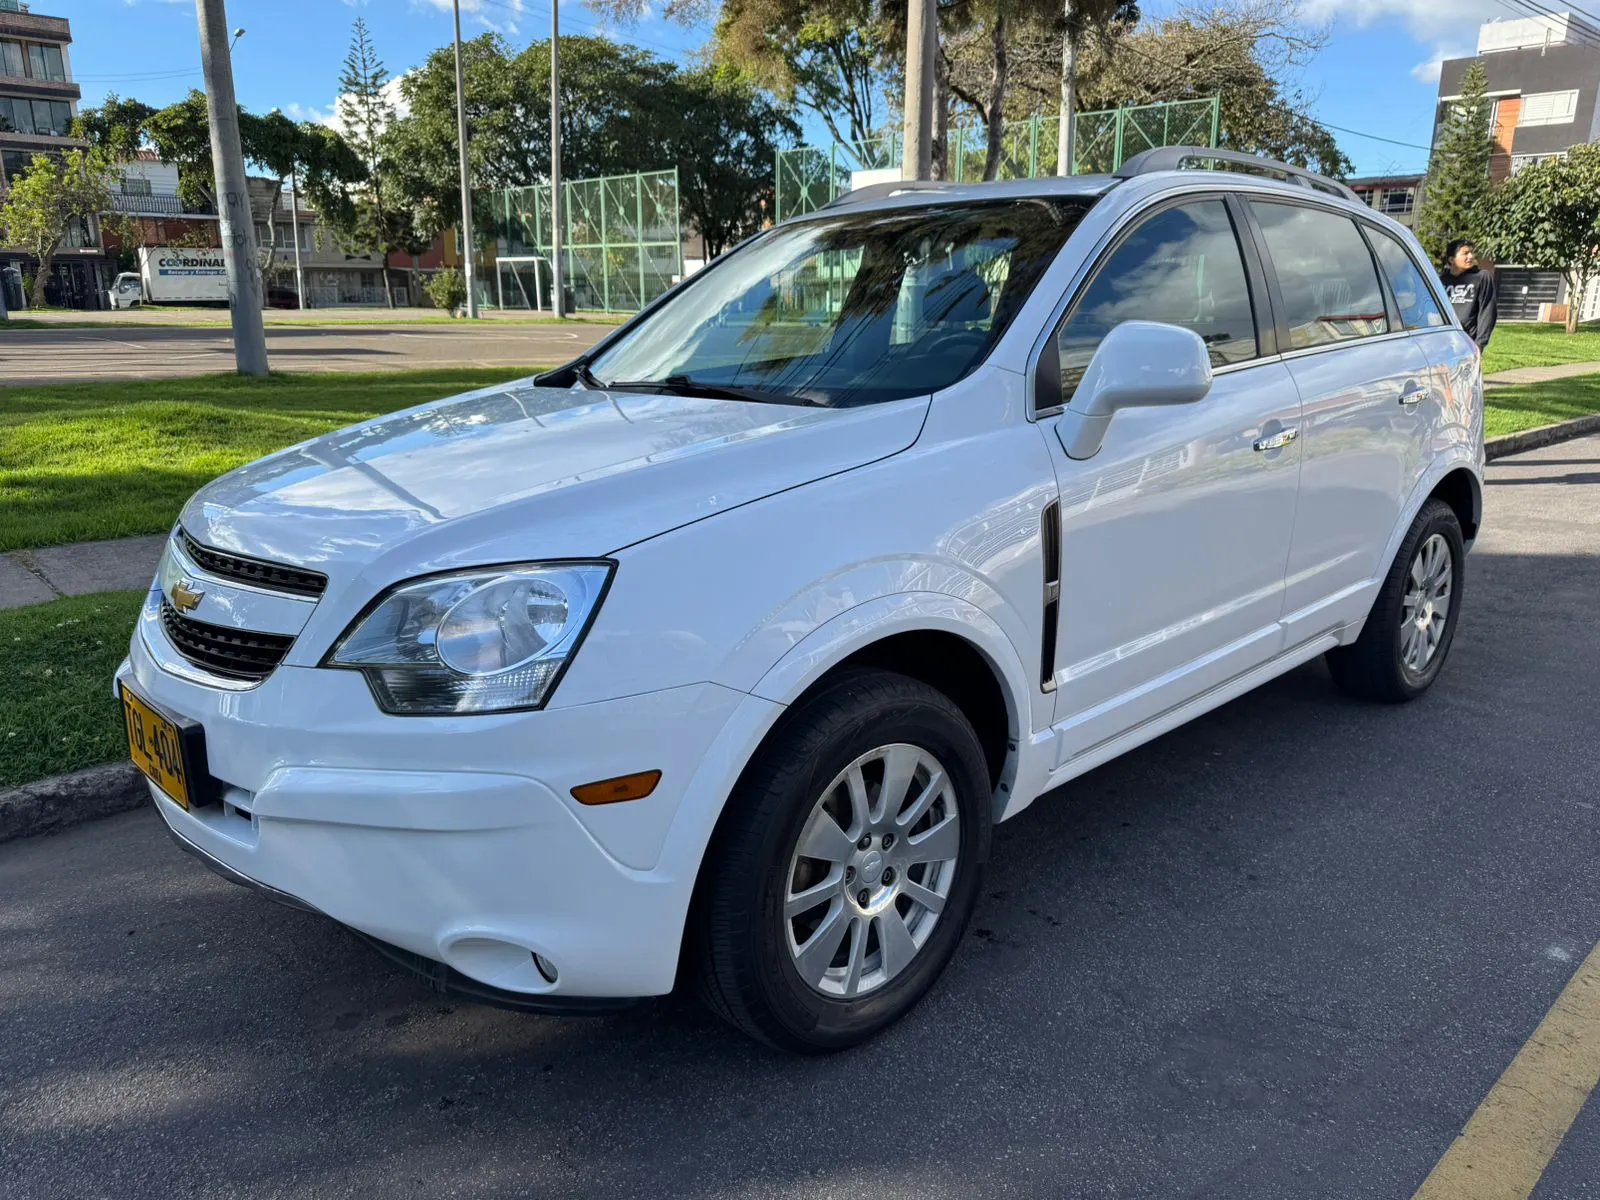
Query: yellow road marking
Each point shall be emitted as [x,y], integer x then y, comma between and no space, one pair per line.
[1510,1140]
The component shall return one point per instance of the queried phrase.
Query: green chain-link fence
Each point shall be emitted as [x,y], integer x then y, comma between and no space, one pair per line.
[810,176]
[622,245]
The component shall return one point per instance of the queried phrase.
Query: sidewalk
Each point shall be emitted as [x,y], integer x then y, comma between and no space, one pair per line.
[1541,374]
[34,576]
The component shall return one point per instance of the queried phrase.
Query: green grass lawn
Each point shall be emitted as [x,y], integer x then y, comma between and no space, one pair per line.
[1540,346]
[100,460]
[1529,405]
[56,661]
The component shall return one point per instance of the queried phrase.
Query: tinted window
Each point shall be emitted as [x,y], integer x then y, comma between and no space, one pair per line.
[849,308]
[1418,309]
[1182,266]
[1325,272]
[11,59]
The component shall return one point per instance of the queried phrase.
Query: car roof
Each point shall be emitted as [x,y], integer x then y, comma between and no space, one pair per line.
[918,193]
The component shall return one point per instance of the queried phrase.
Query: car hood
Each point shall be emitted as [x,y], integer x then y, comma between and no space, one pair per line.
[520,472]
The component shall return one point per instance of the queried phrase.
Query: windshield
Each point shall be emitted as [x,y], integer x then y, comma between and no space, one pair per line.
[849,308]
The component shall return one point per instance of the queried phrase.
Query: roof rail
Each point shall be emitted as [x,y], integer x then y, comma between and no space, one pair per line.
[1172,158]
[881,191]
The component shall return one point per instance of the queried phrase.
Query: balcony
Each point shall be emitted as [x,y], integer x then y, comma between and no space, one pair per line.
[159,204]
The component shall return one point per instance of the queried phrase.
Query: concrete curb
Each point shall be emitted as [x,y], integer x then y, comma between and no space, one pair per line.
[62,801]
[1545,435]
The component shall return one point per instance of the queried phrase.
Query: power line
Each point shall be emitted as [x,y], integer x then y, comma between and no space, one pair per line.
[522,10]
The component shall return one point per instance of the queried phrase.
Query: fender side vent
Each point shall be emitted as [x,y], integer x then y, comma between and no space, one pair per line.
[1050,538]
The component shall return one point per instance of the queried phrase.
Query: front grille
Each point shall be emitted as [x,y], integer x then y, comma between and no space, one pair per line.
[234,653]
[257,572]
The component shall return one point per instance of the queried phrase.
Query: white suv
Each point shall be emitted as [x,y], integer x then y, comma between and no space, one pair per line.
[716,654]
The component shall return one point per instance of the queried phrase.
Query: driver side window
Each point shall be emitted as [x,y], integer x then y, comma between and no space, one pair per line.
[1181,267]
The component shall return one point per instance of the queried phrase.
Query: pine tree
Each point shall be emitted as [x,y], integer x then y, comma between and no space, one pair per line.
[365,112]
[1455,194]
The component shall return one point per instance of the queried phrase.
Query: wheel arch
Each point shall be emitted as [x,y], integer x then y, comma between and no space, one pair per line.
[1463,492]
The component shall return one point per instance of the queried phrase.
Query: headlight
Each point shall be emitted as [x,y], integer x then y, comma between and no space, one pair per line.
[474,641]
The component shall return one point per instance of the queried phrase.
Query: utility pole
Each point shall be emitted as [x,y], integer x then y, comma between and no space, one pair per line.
[470,269]
[233,207]
[294,225]
[558,294]
[922,45]
[1066,134]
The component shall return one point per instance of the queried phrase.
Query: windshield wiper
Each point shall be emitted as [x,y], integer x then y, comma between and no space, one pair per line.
[682,385]
[587,377]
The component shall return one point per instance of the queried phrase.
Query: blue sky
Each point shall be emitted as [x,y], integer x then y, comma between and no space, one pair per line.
[1372,78]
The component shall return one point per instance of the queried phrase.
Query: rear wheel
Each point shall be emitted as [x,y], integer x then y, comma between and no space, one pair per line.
[1413,621]
[847,866]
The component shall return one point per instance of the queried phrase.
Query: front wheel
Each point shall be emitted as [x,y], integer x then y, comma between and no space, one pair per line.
[847,866]
[1413,621]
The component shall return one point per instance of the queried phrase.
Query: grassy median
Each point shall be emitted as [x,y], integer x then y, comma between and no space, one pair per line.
[1520,406]
[85,461]
[1540,346]
[56,661]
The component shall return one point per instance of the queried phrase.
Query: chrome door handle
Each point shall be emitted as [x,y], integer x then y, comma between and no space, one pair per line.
[1415,393]
[1278,440]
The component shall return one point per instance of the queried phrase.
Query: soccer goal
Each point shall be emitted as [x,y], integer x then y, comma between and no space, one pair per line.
[523,281]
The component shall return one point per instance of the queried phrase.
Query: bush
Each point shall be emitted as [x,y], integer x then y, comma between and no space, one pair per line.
[447,289]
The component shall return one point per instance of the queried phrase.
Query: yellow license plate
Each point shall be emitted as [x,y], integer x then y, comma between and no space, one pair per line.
[156,745]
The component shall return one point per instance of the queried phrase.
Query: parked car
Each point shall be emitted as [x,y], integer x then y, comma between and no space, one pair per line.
[715,655]
[126,291]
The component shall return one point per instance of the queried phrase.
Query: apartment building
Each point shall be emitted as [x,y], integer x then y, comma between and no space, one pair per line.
[38,101]
[1395,196]
[1543,75]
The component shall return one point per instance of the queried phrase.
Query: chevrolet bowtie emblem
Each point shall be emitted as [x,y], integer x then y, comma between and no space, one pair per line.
[185,596]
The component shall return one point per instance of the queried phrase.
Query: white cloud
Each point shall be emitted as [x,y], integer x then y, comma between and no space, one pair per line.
[502,16]
[1426,20]
[1428,71]
[328,114]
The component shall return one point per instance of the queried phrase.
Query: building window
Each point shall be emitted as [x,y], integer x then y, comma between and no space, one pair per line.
[46,62]
[1549,108]
[1398,201]
[136,185]
[1518,161]
[11,59]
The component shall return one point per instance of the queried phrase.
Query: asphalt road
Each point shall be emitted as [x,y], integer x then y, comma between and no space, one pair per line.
[44,356]
[1283,952]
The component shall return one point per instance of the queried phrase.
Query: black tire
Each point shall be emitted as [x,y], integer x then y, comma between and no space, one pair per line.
[1372,667]
[747,974]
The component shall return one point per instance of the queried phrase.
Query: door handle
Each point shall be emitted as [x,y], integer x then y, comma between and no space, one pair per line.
[1278,440]
[1415,393]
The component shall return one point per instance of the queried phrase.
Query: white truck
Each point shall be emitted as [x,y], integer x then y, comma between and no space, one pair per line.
[172,275]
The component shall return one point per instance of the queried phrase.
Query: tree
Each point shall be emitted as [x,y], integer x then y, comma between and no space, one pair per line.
[1455,194]
[1082,19]
[116,127]
[327,167]
[1547,216]
[379,219]
[829,56]
[1242,52]
[53,195]
[726,135]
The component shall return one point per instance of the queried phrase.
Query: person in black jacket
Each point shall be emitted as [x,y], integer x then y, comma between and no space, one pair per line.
[1471,290]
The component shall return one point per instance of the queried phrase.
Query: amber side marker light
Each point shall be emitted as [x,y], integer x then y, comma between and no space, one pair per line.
[614,791]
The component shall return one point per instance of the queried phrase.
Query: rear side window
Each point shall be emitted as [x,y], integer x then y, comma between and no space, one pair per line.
[1330,287]
[1182,266]
[1418,309]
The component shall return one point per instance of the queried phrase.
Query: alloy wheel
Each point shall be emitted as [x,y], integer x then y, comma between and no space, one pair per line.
[871,871]
[1425,609]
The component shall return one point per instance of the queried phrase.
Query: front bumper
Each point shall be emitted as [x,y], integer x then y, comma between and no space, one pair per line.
[455,840]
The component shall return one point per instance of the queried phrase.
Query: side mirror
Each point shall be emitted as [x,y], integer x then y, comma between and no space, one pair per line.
[1139,364]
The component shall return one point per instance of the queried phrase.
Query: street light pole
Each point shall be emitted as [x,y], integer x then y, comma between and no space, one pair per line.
[294,225]
[558,295]
[469,268]
[922,44]
[233,196]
